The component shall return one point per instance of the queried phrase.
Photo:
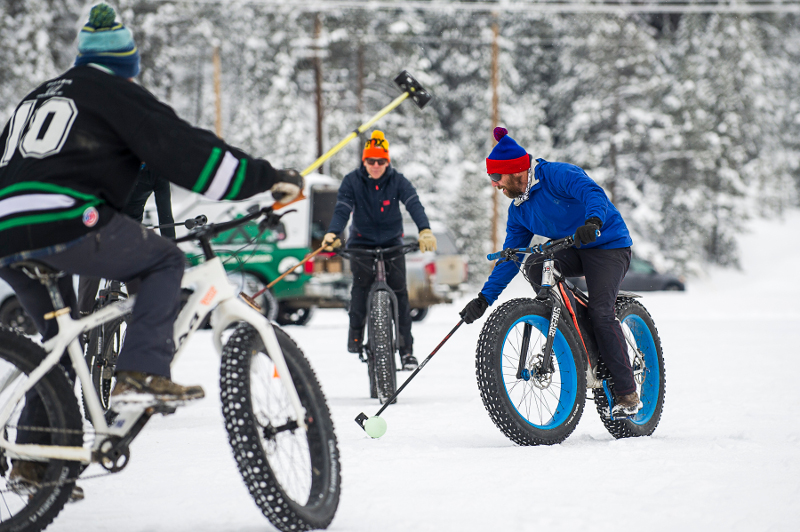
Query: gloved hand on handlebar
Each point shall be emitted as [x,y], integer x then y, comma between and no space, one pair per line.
[474,309]
[427,242]
[587,233]
[331,241]
[288,187]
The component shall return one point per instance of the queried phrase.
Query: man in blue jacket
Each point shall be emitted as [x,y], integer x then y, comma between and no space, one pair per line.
[373,193]
[555,200]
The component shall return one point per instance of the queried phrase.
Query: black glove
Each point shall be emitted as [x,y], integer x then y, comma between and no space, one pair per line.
[289,185]
[474,309]
[587,233]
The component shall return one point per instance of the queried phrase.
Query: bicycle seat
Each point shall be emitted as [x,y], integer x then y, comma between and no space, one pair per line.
[36,269]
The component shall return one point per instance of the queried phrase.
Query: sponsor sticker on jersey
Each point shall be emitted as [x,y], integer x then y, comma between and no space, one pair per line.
[90,217]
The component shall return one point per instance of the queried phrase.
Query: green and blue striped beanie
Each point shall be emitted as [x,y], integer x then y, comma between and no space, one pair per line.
[108,43]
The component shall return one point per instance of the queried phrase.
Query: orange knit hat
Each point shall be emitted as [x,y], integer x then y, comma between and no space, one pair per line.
[376,147]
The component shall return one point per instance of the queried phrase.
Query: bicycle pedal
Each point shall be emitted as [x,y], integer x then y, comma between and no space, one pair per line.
[164,409]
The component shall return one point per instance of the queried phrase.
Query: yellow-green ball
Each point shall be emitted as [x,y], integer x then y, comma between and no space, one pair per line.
[375,427]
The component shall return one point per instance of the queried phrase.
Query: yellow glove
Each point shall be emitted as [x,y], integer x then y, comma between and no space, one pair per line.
[331,241]
[427,242]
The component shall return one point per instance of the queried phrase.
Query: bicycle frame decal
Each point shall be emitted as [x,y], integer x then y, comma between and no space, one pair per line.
[209,297]
[548,277]
[554,322]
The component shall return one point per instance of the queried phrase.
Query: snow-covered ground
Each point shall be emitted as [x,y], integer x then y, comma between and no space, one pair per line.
[726,455]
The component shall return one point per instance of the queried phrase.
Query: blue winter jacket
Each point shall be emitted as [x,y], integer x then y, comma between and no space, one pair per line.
[561,199]
[375,204]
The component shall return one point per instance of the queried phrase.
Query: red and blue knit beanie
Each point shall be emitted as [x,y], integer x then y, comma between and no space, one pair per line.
[507,157]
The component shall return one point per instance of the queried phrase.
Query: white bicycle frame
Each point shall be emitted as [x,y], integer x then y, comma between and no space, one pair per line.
[213,292]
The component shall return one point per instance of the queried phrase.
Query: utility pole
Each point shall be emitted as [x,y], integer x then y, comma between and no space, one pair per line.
[495,119]
[217,90]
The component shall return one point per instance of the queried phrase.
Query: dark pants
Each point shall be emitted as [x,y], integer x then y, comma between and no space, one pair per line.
[363,269]
[146,183]
[123,250]
[604,270]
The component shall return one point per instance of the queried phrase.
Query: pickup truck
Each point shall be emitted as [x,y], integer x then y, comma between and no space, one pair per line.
[324,281]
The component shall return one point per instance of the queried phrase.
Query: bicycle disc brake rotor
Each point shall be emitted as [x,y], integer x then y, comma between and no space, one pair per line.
[539,378]
[639,367]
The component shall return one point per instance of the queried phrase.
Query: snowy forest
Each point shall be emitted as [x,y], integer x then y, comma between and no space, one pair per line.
[689,121]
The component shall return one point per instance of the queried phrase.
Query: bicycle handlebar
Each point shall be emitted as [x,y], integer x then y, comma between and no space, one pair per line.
[406,248]
[551,246]
[191,223]
[203,231]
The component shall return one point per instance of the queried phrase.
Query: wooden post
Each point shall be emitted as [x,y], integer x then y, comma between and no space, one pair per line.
[318,80]
[495,120]
[359,93]
[218,90]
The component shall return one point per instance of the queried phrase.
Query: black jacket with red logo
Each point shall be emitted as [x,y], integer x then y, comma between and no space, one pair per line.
[72,150]
[375,204]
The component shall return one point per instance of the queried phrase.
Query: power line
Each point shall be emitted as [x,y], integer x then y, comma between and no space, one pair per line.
[547,6]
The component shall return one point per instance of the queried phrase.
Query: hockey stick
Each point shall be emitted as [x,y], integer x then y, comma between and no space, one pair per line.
[361,418]
[250,300]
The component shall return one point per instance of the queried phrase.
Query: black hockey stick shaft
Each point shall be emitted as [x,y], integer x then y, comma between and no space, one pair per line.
[400,389]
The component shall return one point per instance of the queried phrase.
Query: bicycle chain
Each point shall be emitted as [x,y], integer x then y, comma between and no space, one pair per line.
[54,483]
[49,429]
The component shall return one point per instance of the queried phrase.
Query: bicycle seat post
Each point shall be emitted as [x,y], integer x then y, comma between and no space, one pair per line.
[47,277]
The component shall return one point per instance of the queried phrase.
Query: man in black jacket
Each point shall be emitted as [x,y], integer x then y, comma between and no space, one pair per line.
[373,193]
[71,154]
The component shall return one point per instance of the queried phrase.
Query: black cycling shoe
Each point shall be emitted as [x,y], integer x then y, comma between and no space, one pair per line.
[355,340]
[409,362]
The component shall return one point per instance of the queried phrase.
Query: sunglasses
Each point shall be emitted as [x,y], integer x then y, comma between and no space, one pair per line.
[495,177]
[379,162]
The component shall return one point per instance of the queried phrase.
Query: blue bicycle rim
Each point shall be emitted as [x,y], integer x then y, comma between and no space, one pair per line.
[652,377]
[565,369]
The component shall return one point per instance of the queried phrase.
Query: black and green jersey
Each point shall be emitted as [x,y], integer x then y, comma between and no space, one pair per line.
[73,148]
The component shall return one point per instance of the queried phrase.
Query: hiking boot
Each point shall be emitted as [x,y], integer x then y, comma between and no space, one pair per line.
[626,405]
[355,340]
[408,362]
[26,477]
[142,390]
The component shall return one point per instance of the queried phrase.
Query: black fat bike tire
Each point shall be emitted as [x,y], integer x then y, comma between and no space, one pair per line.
[381,344]
[489,372]
[244,435]
[629,428]
[61,405]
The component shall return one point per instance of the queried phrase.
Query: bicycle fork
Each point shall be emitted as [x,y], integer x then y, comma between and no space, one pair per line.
[547,351]
[548,281]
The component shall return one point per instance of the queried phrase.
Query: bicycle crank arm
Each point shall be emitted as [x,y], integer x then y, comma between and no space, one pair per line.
[113,453]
